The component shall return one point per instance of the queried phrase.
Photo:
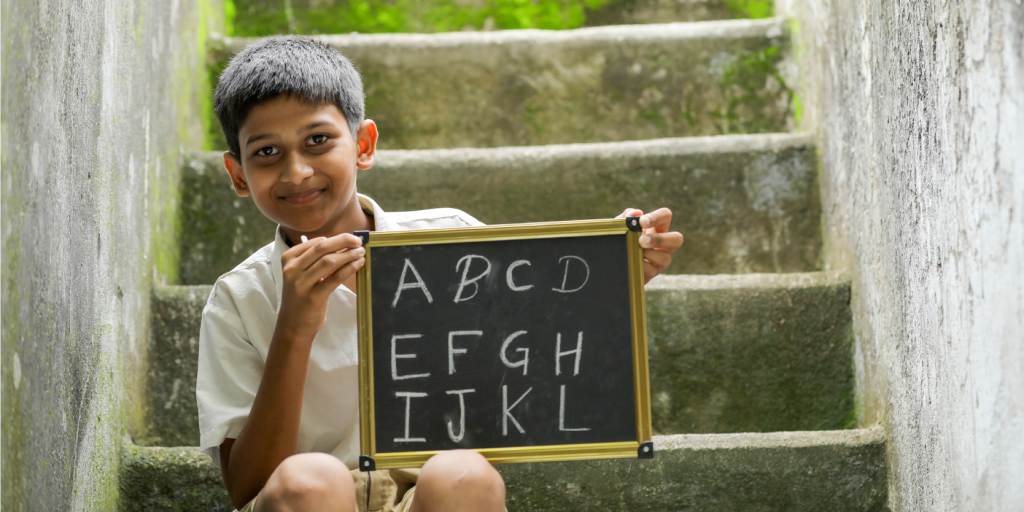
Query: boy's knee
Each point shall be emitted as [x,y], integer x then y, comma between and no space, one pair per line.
[462,473]
[308,480]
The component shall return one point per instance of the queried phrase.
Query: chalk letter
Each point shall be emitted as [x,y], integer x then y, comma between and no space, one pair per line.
[505,416]
[462,415]
[402,285]
[508,276]
[561,416]
[452,350]
[396,356]
[465,271]
[565,276]
[526,353]
[408,396]
[559,354]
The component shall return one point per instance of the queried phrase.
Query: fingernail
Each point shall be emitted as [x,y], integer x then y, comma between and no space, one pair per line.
[645,240]
[359,250]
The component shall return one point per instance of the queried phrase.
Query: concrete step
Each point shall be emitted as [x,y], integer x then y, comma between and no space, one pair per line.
[752,353]
[837,471]
[601,84]
[267,17]
[745,203]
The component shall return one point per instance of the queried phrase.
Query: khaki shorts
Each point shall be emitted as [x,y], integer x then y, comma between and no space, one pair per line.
[388,490]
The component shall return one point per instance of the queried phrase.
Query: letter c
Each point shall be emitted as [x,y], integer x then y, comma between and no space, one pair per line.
[508,276]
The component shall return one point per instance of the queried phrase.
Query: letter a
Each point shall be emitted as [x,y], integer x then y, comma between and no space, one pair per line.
[402,285]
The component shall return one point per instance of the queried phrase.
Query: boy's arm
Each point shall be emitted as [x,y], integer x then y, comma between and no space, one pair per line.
[657,241]
[312,271]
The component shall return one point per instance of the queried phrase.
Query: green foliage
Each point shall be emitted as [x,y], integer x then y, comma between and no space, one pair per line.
[745,85]
[755,9]
[255,18]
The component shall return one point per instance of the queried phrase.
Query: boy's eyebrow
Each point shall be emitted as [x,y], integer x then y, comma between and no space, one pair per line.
[312,125]
[309,126]
[260,137]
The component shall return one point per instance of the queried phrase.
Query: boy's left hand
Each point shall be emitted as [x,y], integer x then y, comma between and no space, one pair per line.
[657,241]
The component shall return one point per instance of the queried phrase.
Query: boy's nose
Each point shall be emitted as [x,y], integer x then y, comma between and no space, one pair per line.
[297,170]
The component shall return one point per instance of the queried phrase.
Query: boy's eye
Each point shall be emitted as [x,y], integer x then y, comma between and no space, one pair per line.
[317,139]
[266,151]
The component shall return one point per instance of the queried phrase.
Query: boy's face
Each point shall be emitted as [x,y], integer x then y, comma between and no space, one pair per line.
[299,163]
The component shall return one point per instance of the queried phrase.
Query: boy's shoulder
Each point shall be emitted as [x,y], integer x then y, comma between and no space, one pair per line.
[435,218]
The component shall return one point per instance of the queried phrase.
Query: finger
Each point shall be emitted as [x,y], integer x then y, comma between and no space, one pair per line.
[659,220]
[668,241]
[333,281]
[650,271]
[323,246]
[329,263]
[629,212]
[660,259]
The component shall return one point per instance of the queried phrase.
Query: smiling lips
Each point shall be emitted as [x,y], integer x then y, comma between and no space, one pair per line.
[303,197]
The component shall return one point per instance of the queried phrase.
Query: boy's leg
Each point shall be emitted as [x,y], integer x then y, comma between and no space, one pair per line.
[459,480]
[308,482]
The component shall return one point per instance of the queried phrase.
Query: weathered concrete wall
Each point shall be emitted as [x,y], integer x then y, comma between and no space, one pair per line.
[920,111]
[99,99]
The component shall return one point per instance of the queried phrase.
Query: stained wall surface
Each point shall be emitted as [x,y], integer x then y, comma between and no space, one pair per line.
[100,98]
[919,110]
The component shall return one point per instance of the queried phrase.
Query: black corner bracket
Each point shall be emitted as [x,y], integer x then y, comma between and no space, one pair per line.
[646,450]
[364,236]
[366,463]
[633,223]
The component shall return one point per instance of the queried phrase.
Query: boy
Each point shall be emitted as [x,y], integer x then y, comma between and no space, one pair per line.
[277,387]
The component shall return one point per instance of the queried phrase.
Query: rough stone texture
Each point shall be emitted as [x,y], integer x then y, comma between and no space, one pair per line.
[531,87]
[629,12]
[745,203]
[98,100]
[170,401]
[785,472]
[753,353]
[920,110]
[750,353]
[155,479]
[218,229]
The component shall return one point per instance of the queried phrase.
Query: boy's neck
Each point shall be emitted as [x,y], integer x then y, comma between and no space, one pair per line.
[352,219]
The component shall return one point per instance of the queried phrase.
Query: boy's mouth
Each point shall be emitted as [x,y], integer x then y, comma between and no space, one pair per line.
[303,196]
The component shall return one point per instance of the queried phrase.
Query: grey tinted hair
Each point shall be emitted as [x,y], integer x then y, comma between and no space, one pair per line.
[292,65]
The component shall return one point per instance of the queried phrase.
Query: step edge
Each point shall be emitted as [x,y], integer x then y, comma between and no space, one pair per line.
[795,280]
[872,435]
[716,29]
[671,282]
[672,146]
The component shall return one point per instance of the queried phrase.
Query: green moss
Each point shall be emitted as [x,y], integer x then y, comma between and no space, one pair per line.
[751,86]
[755,9]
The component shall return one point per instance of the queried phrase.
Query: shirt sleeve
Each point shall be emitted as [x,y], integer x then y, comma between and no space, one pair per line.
[468,220]
[230,370]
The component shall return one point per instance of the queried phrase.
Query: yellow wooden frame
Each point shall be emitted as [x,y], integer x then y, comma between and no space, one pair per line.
[638,312]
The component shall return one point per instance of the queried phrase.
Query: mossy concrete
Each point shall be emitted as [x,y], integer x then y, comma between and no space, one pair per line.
[745,203]
[752,353]
[99,99]
[170,399]
[785,472]
[603,84]
[157,479]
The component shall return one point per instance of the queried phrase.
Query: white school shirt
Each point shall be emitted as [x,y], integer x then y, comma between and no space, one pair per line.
[238,324]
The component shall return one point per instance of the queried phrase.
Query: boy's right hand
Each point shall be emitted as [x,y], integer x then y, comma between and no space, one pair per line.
[312,271]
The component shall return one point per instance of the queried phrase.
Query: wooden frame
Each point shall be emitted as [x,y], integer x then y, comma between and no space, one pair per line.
[638,314]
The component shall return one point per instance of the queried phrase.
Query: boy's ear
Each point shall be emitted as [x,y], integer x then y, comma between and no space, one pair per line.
[366,139]
[234,168]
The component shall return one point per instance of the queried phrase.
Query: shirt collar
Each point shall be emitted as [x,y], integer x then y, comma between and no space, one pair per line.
[380,223]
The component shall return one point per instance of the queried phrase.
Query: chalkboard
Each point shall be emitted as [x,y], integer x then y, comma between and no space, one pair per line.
[524,342]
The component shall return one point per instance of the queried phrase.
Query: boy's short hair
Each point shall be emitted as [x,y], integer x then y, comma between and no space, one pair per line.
[295,65]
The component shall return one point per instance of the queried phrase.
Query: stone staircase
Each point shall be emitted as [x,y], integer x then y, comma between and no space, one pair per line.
[751,349]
